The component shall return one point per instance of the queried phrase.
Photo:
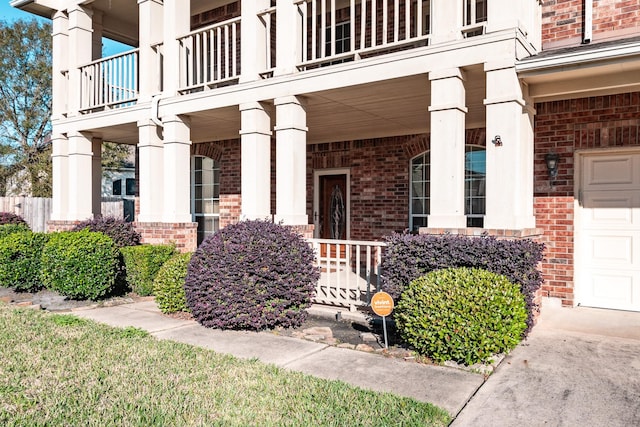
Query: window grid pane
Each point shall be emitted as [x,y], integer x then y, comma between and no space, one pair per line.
[206,196]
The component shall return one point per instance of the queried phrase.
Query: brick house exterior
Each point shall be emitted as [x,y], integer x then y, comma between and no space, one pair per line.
[351,121]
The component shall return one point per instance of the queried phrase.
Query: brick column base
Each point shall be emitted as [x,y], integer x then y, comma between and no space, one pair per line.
[305,230]
[183,234]
[54,225]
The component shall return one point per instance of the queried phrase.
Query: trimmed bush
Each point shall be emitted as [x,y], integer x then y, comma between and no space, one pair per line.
[251,275]
[408,257]
[80,264]
[9,229]
[461,314]
[142,264]
[168,286]
[20,260]
[122,232]
[11,218]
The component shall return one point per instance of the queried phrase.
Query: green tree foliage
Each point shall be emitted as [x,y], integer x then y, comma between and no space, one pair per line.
[25,104]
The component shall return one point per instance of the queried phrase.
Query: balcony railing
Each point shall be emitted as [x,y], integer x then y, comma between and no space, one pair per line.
[349,271]
[210,57]
[333,32]
[110,82]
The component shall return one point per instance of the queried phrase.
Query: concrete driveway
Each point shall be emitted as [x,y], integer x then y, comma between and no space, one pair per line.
[579,367]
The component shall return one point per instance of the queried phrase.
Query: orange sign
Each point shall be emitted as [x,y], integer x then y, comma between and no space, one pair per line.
[382,304]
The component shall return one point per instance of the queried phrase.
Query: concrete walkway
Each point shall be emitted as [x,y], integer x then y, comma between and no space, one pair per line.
[448,388]
[579,367]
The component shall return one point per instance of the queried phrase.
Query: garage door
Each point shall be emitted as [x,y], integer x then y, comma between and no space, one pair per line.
[608,234]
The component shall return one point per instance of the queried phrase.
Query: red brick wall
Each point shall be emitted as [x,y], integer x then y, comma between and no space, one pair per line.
[563,21]
[183,234]
[564,127]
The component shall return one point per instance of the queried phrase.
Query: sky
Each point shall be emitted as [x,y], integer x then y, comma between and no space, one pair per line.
[9,14]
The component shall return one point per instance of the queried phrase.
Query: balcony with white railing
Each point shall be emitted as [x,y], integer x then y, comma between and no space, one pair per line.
[335,31]
[210,57]
[110,82]
[349,271]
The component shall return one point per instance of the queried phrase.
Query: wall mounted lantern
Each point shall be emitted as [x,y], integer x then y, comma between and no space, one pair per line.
[497,141]
[552,160]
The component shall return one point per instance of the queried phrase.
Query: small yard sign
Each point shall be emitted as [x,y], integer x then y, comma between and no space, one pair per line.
[382,305]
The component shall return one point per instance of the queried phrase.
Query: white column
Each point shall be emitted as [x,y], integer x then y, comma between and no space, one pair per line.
[448,113]
[291,161]
[177,169]
[509,166]
[151,176]
[59,64]
[446,20]
[505,14]
[80,190]
[60,177]
[253,37]
[150,34]
[80,51]
[288,37]
[96,177]
[177,23]
[256,161]
[96,36]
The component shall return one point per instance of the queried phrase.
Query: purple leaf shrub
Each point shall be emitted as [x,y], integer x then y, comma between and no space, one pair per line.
[251,275]
[11,218]
[409,257]
[122,232]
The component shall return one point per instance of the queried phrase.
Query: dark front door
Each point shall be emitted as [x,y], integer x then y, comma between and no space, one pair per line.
[333,212]
[333,207]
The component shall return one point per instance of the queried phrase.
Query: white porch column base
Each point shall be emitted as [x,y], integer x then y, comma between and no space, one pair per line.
[60,178]
[291,161]
[150,168]
[448,114]
[80,190]
[255,156]
[177,170]
[509,198]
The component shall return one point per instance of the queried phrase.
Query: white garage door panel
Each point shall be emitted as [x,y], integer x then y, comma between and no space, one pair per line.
[608,233]
[609,289]
[613,251]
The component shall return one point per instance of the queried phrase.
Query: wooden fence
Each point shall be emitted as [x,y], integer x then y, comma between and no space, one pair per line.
[36,211]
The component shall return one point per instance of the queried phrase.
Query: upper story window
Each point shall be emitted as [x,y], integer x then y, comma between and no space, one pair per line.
[474,18]
[117,187]
[342,42]
[474,188]
[130,184]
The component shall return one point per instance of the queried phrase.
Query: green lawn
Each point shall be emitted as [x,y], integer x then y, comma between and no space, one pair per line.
[60,370]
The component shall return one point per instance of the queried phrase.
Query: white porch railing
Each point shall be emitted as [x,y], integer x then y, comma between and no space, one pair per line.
[109,82]
[339,30]
[350,271]
[210,56]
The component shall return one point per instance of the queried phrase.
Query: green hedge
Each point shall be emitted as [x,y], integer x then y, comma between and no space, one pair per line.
[80,264]
[168,286]
[142,263]
[461,314]
[20,260]
[8,229]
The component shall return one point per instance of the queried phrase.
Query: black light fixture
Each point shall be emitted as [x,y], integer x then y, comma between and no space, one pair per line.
[497,141]
[552,160]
